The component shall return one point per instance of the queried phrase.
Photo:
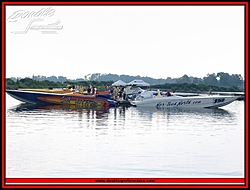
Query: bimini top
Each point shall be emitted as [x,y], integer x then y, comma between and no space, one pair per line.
[138,83]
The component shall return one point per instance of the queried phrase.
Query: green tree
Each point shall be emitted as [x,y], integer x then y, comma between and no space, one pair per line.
[224,79]
[236,80]
[210,79]
[184,79]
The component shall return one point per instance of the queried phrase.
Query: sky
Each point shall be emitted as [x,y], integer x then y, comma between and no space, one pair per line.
[154,41]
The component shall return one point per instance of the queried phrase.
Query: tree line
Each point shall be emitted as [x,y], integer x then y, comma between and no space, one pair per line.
[195,88]
[219,79]
[101,85]
[36,84]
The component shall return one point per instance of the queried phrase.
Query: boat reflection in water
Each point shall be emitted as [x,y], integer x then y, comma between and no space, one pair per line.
[63,114]
[124,116]
[185,110]
[177,113]
[141,110]
[58,108]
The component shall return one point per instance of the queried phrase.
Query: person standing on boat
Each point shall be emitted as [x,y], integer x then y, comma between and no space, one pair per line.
[123,93]
[111,92]
[81,90]
[89,89]
[120,93]
[93,90]
[210,91]
[77,87]
[116,92]
[85,89]
[107,87]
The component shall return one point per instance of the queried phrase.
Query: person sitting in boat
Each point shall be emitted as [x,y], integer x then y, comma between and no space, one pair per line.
[133,96]
[68,86]
[168,93]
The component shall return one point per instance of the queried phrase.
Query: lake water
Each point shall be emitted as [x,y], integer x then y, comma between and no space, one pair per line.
[124,141]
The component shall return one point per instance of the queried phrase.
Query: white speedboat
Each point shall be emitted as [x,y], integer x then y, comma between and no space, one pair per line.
[159,100]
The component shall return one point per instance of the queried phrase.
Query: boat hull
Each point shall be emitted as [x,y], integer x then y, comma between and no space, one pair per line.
[190,102]
[62,99]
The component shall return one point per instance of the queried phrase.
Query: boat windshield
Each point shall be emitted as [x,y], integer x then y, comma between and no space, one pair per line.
[145,95]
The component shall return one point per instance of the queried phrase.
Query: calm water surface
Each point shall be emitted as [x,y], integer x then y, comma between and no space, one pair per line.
[60,141]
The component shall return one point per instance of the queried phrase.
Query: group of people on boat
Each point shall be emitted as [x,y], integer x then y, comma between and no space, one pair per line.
[117,93]
[82,89]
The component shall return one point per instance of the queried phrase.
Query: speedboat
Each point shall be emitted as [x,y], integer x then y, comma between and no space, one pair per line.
[160,100]
[67,98]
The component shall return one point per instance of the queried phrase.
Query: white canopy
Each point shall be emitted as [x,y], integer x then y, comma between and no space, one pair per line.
[138,83]
[119,83]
